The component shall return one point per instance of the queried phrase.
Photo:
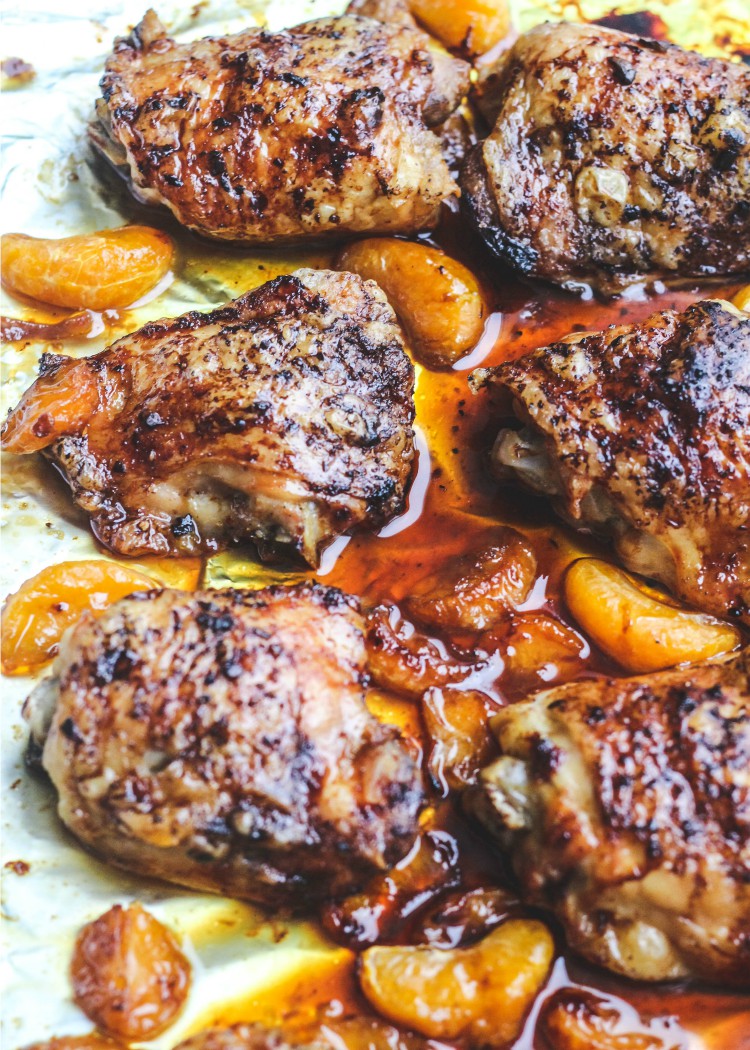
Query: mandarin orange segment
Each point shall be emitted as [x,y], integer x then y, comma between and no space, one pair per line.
[437,300]
[742,299]
[90,1041]
[636,629]
[474,26]
[481,993]
[576,1019]
[129,975]
[458,730]
[35,618]
[476,591]
[99,271]
[537,650]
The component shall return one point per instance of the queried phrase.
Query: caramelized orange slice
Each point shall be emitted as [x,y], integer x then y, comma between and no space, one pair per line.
[481,993]
[129,975]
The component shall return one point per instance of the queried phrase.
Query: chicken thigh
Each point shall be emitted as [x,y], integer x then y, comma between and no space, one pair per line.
[284,417]
[624,806]
[613,158]
[245,1037]
[317,131]
[221,740]
[642,433]
[350,1034]
[393,12]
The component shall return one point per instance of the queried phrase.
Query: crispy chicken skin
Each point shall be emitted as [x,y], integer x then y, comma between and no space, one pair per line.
[284,417]
[457,132]
[613,158]
[318,131]
[642,433]
[220,740]
[624,805]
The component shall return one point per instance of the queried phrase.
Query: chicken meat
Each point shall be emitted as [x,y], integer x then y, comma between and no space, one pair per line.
[358,1033]
[458,131]
[624,806]
[221,740]
[612,159]
[314,132]
[246,1037]
[284,417]
[642,433]
[392,12]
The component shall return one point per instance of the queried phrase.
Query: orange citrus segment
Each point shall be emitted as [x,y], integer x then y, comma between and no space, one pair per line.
[98,271]
[35,618]
[636,629]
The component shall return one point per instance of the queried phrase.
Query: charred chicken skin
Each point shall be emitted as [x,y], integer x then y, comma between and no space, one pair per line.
[220,740]
[284,417]
[613,158]
[317,131]
[625,807]
[642,433]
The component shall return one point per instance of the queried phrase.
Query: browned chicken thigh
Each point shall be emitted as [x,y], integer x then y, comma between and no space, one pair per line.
[613,158]
[284,417]
[221,740]
[642,433]
[624,805]
[317,131]
[457,132]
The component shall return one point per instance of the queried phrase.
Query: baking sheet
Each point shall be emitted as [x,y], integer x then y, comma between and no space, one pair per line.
[50,189]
